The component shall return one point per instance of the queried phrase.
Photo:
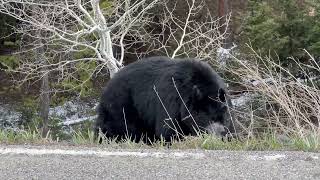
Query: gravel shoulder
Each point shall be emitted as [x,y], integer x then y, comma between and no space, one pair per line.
[71,162]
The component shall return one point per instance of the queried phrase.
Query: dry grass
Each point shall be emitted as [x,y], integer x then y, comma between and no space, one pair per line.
[282,104]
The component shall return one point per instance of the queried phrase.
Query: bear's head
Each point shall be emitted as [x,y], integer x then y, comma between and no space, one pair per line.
[208,110]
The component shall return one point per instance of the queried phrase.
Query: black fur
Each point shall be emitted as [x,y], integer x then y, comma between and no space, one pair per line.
[130,106]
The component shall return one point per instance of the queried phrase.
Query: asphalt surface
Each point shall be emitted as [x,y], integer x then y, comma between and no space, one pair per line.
[18,162]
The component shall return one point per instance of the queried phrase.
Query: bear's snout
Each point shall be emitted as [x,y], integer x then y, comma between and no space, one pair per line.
[217,129]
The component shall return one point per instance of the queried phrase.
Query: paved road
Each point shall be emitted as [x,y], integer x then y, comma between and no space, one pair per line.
[92,163]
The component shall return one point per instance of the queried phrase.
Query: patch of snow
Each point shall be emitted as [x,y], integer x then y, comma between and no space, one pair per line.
[9,118]
[242,100]
[223,55]
[100,153]
[69,122]
[274,157]
[314,157]
[267,157]
[257,82]
[71,112]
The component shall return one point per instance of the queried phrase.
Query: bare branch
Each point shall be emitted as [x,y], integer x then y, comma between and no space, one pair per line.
[71,27]
[195,34]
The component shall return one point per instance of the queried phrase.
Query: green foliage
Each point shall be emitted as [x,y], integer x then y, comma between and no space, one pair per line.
[81,82]
[58,100]
[6,24]
[31,121]
[105,4]
[283,27]
[28,109]
[9,61]
[56,129]
[85,53]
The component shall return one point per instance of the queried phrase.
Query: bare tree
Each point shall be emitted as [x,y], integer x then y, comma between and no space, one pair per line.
[75,26]
[194,33]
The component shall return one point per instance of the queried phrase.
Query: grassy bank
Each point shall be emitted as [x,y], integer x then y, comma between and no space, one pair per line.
[266,141]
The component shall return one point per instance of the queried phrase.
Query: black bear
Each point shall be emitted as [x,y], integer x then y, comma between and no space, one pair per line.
[159,97]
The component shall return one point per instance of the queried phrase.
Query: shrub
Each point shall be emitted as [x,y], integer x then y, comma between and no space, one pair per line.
[284,28]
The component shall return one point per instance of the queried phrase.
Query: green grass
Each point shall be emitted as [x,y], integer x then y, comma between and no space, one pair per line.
[265,142]
[28,136]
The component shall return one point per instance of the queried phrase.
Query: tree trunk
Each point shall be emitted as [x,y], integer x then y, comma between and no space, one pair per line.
[224,8]
[45,95]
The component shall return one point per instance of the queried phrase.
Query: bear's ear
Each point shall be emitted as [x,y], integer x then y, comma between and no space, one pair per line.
[197,94]
[222,95]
